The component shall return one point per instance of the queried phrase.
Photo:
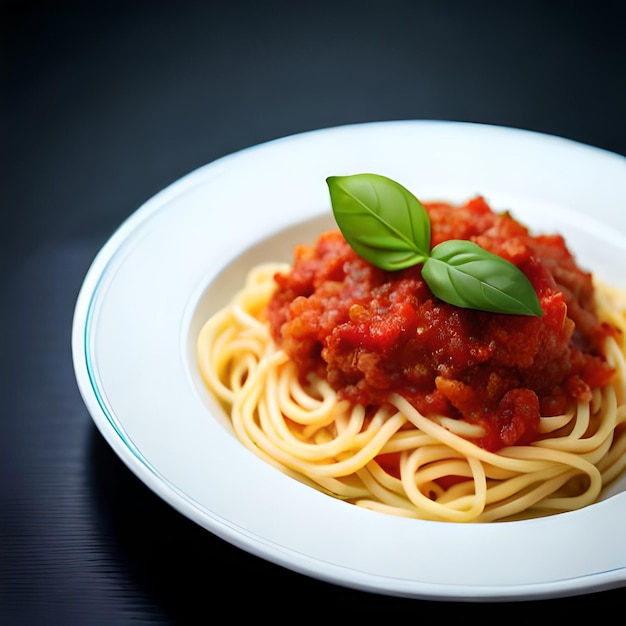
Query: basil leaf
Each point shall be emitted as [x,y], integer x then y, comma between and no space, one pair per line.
[463,274]
[390,228]
[381,220]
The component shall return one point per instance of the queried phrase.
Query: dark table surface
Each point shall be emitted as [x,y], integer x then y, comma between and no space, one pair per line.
[106,103]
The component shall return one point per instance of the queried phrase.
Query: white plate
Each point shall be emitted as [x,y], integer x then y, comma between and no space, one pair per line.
[185,251]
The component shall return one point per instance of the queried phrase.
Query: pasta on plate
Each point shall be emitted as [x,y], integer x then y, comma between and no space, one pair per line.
[361,383]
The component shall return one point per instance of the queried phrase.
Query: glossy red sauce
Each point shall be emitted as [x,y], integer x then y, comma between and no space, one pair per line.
[370,332]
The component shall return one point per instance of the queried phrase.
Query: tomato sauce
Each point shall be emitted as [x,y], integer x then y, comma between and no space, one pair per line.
[370,332]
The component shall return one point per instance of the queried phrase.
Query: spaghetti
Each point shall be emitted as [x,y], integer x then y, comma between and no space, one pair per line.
[374,442]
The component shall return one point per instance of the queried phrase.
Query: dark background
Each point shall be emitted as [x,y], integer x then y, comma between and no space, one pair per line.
[103,105]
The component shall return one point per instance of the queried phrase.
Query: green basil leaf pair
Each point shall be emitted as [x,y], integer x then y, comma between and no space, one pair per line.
[390,228]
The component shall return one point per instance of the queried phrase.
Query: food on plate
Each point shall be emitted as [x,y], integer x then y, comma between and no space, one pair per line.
[427,360]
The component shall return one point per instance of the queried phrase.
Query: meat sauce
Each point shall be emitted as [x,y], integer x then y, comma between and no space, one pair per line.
[370,332]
